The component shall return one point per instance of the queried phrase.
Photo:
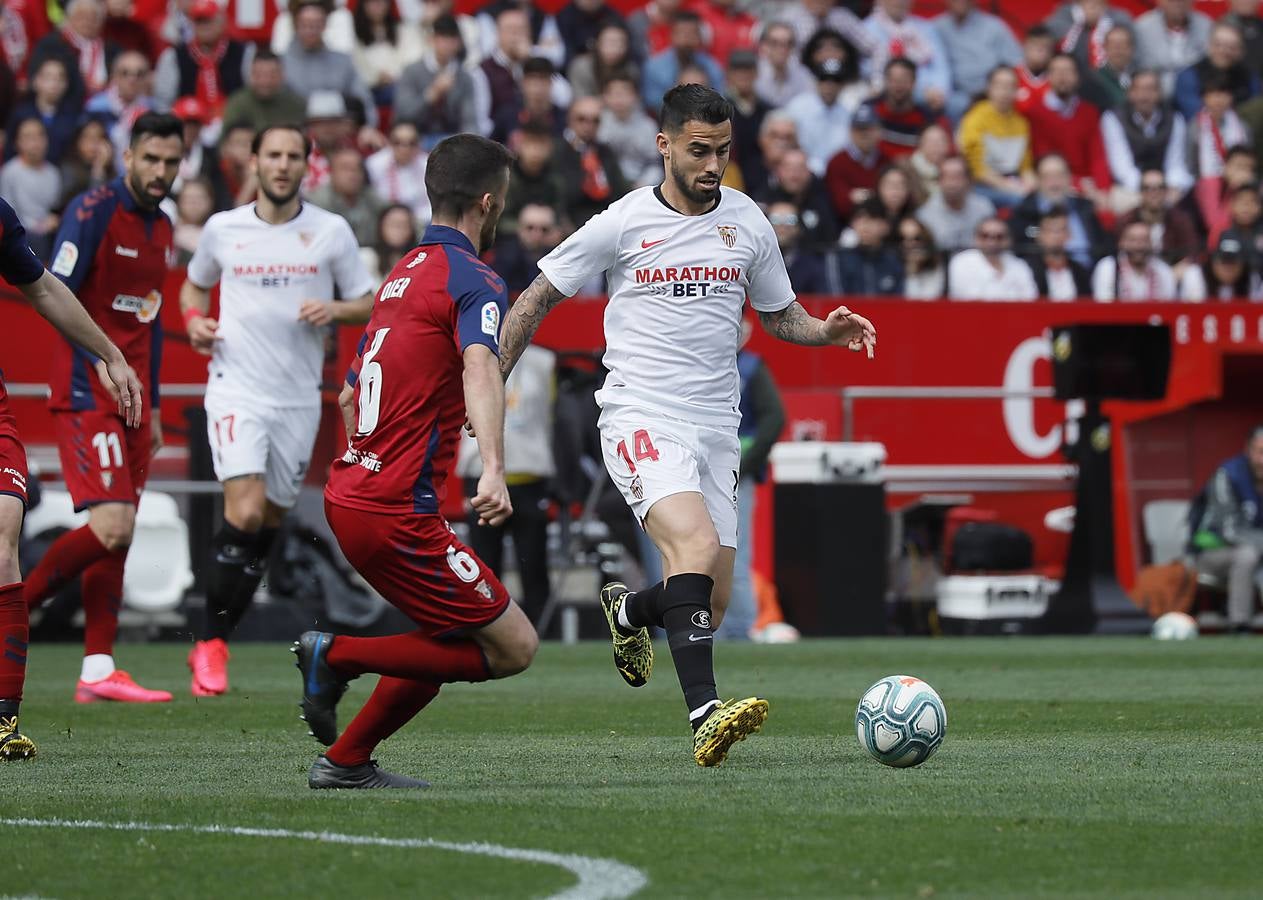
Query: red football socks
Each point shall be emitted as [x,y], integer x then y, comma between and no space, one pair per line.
[393,703]
[102,599]
[14,633]
[413,656]
[69,555]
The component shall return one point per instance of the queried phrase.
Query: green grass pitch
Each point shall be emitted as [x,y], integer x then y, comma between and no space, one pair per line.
[1072,768]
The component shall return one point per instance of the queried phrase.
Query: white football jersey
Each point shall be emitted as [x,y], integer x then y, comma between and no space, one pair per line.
[677,285]
[265,273]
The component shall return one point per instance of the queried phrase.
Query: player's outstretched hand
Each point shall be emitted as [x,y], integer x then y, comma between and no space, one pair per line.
[492,500]
[315,312]
[124,387]
[851,330]
[203,331]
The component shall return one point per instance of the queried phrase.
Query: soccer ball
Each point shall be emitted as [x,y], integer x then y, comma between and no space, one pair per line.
[1175,626]
[901,721]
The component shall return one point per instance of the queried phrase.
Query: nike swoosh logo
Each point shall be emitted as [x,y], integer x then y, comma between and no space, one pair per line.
[645,245]
[706,637]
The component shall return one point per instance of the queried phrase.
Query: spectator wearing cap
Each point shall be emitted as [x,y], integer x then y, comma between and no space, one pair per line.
[1107,86]
[662,71]
[124,100]
[1171,38]
[198,160]
[1066,124]
[1053,187]
[782,76]
[630,133]
[595,180]
[436,94]
[1225,54]
[517,256]
[896,32]
[82,49]
[989,271]
[954,213]
[810,17]
[580,21]
[330,128]
[727,28]
[1143,134]
[210,66]
[822,117]
[533,103]
[312,67]
[265,100]
[807,268]
[348,194]
[749,110]
[901,118]
[777,136]
[1135,274]
[851,174]
[611,55]
[397,171]
[793,180]
[976,42]
[996,141]
[1057,276]
[1225,276]
[872,266]
[1171,229]
[535,175]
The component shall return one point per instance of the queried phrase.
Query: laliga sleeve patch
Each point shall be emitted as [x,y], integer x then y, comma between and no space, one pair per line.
[491,320]
[64,262]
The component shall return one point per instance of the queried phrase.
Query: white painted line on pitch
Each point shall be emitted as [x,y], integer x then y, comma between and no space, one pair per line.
[599,879]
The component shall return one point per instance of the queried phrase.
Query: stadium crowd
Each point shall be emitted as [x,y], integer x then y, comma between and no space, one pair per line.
[1096,155]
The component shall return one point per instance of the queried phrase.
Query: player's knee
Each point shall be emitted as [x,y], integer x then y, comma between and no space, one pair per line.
[696,553]
[113,525]
[516,656]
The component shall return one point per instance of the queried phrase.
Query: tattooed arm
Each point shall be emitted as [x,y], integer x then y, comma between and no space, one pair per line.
[842,328]
[523,320]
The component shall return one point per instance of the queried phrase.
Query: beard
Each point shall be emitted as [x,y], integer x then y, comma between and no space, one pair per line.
[279,199]
[487,236]
[141,191]
[693,192]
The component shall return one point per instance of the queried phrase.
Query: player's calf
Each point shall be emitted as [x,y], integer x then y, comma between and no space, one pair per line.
[686,618]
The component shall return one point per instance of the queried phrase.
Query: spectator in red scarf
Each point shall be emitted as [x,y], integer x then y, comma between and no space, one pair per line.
[80,45]
[1080,29]
[209,67]
[598,180]
[1038,48]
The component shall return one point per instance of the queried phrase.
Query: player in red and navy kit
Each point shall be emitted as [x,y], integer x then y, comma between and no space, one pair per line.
[429,359]
[20,268]
[113,249]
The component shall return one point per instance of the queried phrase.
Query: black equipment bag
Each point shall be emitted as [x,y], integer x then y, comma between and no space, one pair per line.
[991,547]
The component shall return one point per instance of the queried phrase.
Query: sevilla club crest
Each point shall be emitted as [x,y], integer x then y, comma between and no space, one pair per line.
[729,235]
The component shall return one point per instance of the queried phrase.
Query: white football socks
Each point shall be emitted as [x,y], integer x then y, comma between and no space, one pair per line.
[97,667]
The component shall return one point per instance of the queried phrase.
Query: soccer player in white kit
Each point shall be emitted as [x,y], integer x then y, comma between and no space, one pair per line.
[680,260]
[277,260]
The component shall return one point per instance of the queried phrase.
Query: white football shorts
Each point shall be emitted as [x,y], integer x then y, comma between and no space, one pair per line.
[253,438]
[650,456]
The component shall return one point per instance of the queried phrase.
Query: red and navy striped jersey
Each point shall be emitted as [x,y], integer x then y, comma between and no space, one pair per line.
[18,263]
[114,255]
[408,376]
